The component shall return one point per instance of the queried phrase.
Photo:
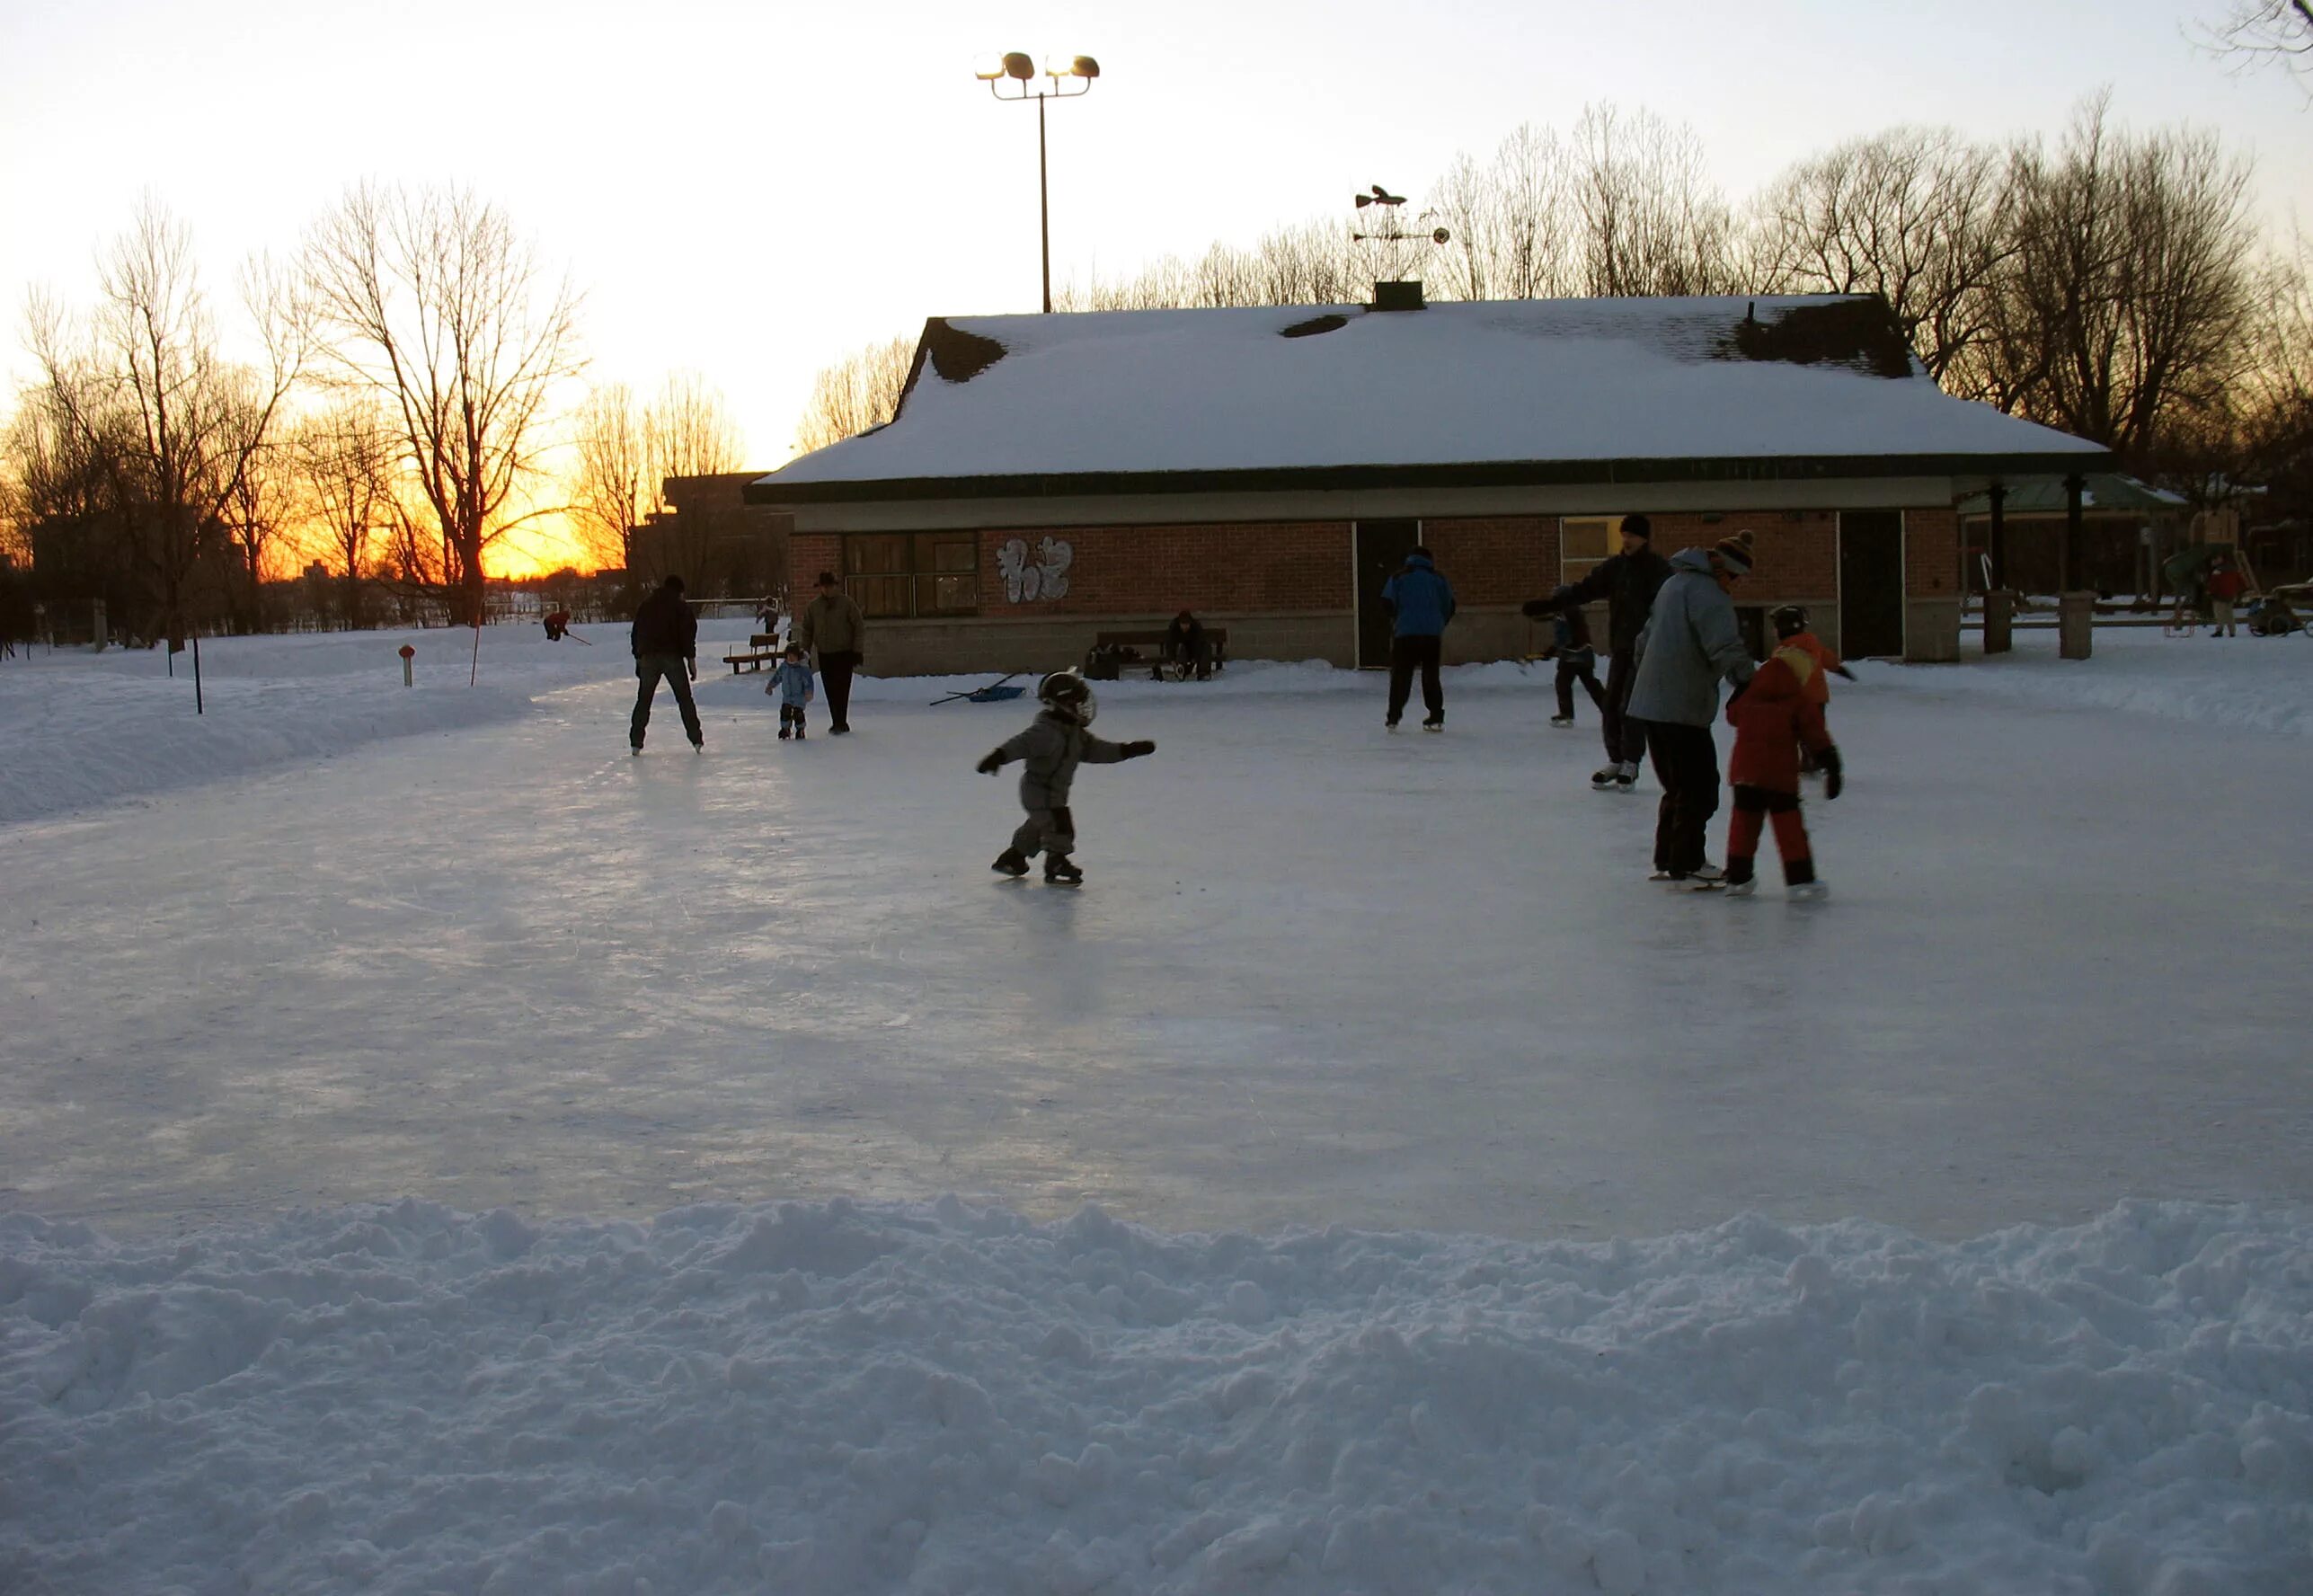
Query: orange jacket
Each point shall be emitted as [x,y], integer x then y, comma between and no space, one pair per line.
[1819,682]
[1772,717]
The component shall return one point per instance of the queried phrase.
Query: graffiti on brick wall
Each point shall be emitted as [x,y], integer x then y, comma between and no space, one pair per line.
[1046,576]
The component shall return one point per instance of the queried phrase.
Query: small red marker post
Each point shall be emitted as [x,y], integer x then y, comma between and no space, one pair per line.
[408,655]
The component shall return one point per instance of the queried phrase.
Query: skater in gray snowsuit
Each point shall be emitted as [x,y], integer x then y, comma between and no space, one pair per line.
[1054,744]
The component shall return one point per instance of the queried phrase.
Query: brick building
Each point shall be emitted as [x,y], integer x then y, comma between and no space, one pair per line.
[1051,477]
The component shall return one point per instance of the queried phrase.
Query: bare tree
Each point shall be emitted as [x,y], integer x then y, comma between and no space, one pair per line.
[2128,298]
[2258,33]
[856,393]
[434,305]
[145,369]
[344,461]
[1645,218]
[608,498]
[1915,214]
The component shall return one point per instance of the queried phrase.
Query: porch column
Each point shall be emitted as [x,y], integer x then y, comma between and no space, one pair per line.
[2076,608]
[1996,541]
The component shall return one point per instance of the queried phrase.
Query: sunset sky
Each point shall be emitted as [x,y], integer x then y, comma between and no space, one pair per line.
[752,192]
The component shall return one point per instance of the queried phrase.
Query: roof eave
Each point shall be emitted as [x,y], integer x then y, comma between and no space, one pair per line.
[1473,474]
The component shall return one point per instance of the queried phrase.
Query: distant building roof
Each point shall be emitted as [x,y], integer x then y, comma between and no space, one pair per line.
[1483,392]
[2100,490]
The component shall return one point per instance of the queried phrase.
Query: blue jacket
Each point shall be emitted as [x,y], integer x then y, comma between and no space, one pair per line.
[1420,601]
[793,682]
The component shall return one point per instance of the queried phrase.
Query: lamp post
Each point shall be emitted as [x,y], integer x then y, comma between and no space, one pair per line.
[1018,68]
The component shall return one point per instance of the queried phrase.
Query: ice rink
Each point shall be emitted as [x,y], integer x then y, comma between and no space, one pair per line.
[1318,975]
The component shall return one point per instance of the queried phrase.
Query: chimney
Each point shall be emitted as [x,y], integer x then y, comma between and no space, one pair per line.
[1398,296]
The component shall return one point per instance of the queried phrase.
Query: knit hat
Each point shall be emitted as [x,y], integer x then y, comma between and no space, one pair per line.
[1638,526]
[1734,553]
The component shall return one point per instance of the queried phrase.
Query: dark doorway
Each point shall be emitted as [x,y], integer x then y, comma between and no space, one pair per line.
[1870,584]
[1381,548]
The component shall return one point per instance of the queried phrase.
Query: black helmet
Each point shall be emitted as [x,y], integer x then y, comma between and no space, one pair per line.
[1067,693]
[1788,620]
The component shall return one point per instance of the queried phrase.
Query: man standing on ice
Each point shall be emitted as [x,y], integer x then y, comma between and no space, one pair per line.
[1629,582]
[665,642]
[1420,603]
[832,625]
[1687,645]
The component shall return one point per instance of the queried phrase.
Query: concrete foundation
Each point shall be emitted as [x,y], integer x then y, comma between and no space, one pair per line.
[2075,626]
[1999,621]
[1931,630]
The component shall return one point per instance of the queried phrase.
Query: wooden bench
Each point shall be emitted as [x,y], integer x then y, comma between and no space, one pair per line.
[1123,650]
[760,646]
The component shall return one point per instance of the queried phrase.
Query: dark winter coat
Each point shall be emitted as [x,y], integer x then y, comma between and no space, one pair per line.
[1053,746]
[1772,718]
[1628,583]
[832,624]
[1690,642]
[664,625]
[1420,601]
[1184,638]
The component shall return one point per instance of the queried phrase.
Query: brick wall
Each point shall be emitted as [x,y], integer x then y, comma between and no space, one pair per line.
[1264,567]
[1797,552]
[1931,553]
[1506,560]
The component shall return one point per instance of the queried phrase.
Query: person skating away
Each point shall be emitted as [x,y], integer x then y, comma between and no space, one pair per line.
[1629,582]
[2225,585]
[832,625]
[791,681]
[1054,743]
[1776,717]
[1420,606]
[666,643]
[1578,660]
[1689,644]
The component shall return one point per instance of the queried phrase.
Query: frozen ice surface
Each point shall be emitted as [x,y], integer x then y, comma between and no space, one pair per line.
[1378,987]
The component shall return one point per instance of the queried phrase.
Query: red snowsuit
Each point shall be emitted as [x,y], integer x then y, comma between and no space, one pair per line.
[1773,717]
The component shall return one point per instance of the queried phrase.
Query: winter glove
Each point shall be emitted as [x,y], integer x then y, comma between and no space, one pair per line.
[1735,697]
[1833,777]
[1843,671]
[694,665]
[1138,750]
[992,763]
[1534,609]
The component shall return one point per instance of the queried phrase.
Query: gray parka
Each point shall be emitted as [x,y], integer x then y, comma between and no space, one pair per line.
[1688,642]
[1053,747]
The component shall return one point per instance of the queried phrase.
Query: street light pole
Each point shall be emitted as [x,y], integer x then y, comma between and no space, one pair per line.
[1017,68]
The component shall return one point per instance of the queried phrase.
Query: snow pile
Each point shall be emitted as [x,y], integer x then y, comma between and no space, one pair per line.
[83,728]
[941,1399]
[2246,684]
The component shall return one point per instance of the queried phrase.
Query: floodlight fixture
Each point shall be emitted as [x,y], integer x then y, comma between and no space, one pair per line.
[1020,68]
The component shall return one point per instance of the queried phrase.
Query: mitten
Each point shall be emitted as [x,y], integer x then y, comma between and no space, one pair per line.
[1534,609]
[1833,777]
[1136,751]
[992,763]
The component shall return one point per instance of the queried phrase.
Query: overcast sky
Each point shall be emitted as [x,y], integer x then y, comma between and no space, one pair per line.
[752,191]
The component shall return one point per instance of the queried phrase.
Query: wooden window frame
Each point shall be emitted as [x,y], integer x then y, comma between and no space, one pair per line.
[899,575]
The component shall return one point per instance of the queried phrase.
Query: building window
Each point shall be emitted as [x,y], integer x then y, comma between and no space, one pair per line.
[898,575]
[1582,544]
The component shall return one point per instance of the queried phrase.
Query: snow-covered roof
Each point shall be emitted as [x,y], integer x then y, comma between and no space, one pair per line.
[1490,391]
[2100,490]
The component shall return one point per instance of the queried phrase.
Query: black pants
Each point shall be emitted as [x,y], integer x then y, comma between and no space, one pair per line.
[1404,654]
[1625,739]
[1585,671]
[1687,764]
[648,669]
[835,672]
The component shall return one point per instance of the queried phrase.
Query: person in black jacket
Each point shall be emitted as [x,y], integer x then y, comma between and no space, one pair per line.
[665,642]
[1628,582]
[1185,647]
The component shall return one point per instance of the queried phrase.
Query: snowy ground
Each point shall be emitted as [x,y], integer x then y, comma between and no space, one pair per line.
[1319,978]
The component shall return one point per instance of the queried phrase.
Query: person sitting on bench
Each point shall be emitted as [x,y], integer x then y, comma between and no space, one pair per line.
[1186,645]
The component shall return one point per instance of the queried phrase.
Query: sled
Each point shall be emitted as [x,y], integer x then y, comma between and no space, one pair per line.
[995,692]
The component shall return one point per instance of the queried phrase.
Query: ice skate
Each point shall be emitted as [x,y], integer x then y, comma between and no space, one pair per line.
[785,733]
[1561,720]
[1743,888]
[1389,725]
[1605,777]
[1813,892]
[799,732]
[1438,724]
[1062,872]
[1695,883]
[1011,862]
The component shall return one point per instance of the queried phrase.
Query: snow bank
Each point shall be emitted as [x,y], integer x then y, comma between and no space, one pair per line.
[82,729]
[2249,684]
[940,1398]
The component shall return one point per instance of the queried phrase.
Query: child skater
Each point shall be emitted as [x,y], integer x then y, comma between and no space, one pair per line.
[1791,631]
[1774,717]
[792,681]
[1578,660]
[1052,746]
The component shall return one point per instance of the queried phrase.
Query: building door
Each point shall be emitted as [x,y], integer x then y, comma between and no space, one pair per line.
[1870,584]
[1381,548]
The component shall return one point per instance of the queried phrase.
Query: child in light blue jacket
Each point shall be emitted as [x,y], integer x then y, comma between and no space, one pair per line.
[792,682]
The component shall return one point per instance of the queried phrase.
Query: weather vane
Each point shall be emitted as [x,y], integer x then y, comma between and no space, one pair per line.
[1390,233]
